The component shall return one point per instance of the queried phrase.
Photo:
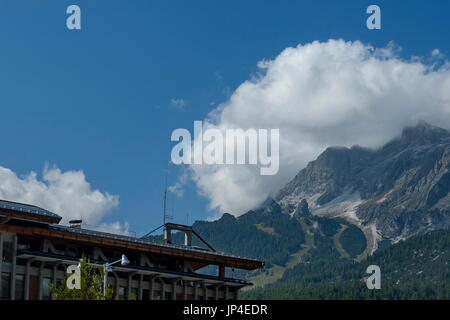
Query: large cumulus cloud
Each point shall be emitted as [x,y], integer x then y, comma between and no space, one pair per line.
[323,94]
[67,193]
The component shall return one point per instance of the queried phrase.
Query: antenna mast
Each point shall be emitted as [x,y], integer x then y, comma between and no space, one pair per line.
[166,216]
[165,204]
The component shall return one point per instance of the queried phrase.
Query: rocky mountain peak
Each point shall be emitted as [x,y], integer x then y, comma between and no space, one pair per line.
[226,217]
[424,133]
[273,208]
[397,191]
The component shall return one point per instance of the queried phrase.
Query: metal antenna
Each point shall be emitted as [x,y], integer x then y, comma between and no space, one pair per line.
[166,216]
[173,207]
[164,206]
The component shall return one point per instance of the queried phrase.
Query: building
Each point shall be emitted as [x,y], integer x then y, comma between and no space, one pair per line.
[36,251]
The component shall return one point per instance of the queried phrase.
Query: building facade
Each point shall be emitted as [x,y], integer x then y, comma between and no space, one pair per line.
[35,252]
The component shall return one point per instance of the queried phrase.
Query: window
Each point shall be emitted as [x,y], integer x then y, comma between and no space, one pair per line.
[20,287]
[168,296]
[72,252]
[7,252]
[157,295]
[133,294]
[60,248]
[22,245]
[6,286]
[46,282]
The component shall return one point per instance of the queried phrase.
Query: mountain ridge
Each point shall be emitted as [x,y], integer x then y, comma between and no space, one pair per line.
[344,209]
[393,192]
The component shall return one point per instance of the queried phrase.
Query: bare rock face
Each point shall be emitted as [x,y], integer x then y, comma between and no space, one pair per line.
[302,209]
[401,189]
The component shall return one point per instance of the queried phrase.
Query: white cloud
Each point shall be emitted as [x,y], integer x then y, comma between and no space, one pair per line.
[67,194]
[322,94]
[178,187]
[178,103]
[114,227]
[436,53]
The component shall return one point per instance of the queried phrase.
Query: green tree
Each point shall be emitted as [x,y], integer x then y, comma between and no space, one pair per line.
[91,287]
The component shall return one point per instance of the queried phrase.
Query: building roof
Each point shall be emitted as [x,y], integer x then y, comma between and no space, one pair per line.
[198,256]
[28,212]
[174,249]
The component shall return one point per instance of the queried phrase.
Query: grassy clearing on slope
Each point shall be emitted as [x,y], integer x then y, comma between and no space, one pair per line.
[275,272]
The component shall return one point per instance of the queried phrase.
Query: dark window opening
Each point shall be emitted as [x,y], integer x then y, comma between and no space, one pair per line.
[20,287]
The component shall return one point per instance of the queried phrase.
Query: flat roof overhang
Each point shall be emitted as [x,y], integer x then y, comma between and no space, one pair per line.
[198,257]
[28,216]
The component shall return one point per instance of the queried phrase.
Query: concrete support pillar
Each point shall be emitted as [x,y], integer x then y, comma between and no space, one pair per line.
[27,279]
[195,290]
[185,288]
[163,292]
[129,282]
[116,286]
[14,264]
[41,274]
[174,289]
[41,281]
[151,284]
[225,287]
[205,291]
[216,292]
[188,238]
[55,273]
[167,235]
[141,280]
[1,261]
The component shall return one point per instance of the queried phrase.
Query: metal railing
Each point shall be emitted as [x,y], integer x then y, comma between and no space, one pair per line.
[144,241]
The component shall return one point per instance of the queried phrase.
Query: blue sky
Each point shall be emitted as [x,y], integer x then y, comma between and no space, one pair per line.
[99,99]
